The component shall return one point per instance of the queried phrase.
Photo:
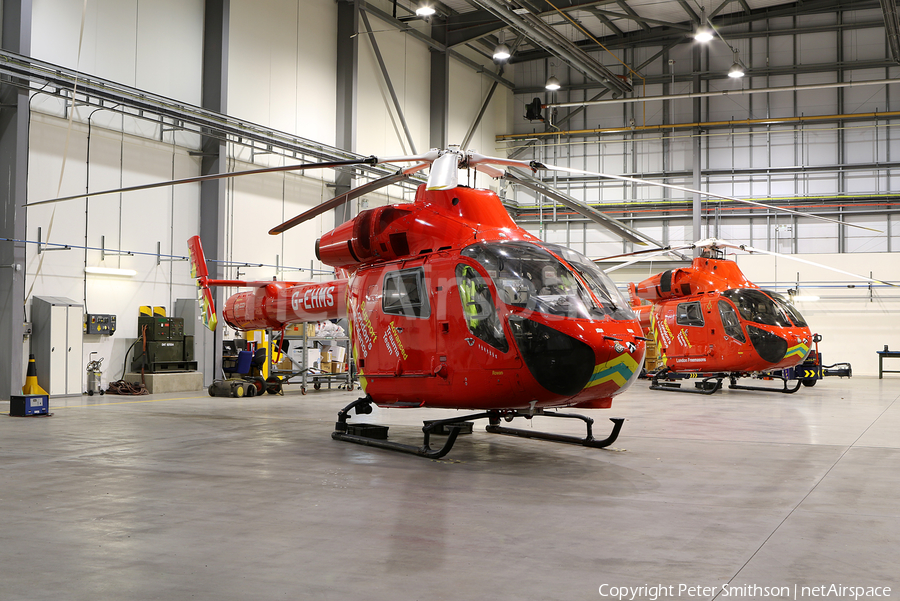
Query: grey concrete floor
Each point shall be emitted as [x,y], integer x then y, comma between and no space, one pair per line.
[184,496]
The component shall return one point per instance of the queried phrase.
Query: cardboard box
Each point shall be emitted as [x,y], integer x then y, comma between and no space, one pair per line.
[338,354]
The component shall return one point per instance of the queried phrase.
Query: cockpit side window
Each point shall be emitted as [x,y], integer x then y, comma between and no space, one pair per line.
[478,308]
[730,321]
[689,314]
[404,293]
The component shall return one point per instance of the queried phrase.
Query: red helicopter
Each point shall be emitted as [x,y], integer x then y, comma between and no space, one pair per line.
[710,322]
[452,305]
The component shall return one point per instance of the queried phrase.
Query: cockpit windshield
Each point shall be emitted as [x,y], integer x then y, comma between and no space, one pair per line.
[756,306]
[788,308]
[529,277]
[600,284]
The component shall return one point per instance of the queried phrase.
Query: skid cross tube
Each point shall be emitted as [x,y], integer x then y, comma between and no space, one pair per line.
[364,406]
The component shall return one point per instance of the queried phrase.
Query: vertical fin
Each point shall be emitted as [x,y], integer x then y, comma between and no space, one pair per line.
[632,295]
[200,272]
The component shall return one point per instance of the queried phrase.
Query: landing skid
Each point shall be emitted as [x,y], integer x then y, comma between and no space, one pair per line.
[453,426]
[587,441]
[786,390]
[708,385]
[713,383]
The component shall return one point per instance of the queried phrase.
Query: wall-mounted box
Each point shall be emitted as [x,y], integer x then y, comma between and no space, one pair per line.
[99,323]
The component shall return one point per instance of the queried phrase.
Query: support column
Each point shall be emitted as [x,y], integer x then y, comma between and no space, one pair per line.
[696,154]
[212,193]
[14,175]
[347,93]
[440,87]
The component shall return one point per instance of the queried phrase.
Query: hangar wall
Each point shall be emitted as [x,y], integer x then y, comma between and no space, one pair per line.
[842,163]
[282,73]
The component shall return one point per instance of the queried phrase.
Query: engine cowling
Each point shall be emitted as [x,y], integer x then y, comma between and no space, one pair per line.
[365,237]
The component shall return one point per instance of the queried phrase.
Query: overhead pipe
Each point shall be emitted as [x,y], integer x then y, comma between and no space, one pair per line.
[557,44]
[702,124]
[814,86]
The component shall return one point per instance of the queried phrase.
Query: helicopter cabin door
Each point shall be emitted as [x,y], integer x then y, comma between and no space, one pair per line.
[472,339]
[406,332]
[690,348]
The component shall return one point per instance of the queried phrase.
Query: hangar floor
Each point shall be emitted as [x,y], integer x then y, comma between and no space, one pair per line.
[186,496]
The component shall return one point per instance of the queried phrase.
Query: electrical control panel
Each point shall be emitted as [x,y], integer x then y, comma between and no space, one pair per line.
[161,328]
[103,324]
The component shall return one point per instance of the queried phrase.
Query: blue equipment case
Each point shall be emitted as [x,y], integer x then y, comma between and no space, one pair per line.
[29,405]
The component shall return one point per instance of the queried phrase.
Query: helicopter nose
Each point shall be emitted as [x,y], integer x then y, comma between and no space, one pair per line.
[771,347]
[560,363]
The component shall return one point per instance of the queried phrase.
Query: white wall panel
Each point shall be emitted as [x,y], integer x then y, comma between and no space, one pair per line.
[864,99]
[781,50]
[864,241]
[125,41]
[860,182]
[132,222]
[819,145]
[380,130]
[864,44]
[734,230]
[282,63]
[816,47]
[859,143]
[816,236]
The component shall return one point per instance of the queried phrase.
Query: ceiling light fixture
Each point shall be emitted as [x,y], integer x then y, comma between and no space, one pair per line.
[704,32]
[501,52]
[130,273]
[425,10]
[552,84]
[736,70]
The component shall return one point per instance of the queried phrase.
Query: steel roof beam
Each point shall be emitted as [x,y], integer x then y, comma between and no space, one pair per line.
[642,21]
[606,21]
[630,12]
[659,35]
[892,26]
[554,42]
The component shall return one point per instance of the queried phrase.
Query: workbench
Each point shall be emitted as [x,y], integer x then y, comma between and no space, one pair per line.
[881,356]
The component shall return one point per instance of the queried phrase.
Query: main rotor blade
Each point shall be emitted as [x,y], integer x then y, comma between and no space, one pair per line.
[536,165]
[339,200]
[613,225]
[750,249]
[371,160]
[654,253]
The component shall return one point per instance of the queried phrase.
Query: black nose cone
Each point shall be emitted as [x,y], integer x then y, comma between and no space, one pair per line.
[561,364]
[771,347]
